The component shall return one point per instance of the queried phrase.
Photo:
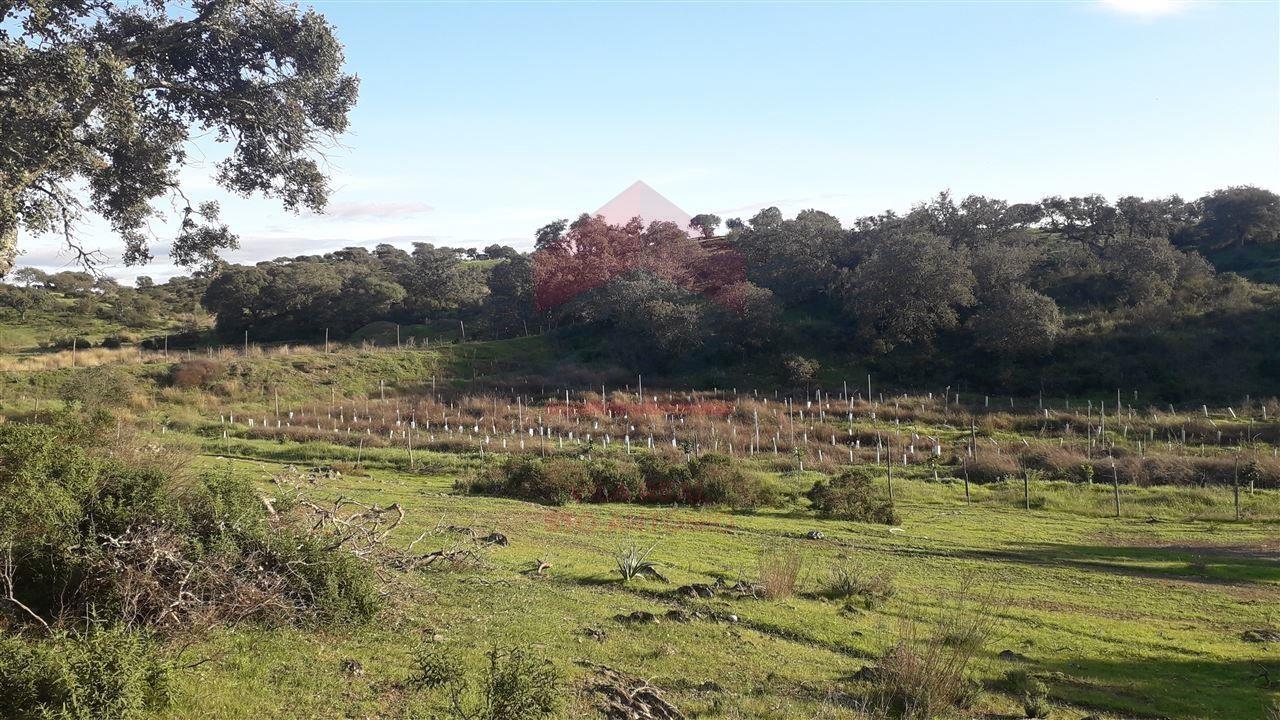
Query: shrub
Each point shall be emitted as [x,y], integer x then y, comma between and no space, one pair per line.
[320,584]
[105,672]
[196,373]
[67,343]
[515,685]
[799,371]
[1031,692]
[716,479]
[98,388]
[852,495]
[615,481]
[554,482]
[91,536]
[780,569]
[664,480]
[847,579]
[436,667]
[925,675]
[710,479]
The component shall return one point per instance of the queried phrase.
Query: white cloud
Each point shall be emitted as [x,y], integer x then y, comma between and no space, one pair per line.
[1146,8]
[380,210]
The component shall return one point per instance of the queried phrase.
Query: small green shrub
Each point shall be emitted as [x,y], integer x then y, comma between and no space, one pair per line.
[105,672]
[1031,692]
[515,685]
[436,667]
[847,579]
[852,495]
[615,481]
[717,480]
[324,585]
[553,482]
[665,480]
[98,388]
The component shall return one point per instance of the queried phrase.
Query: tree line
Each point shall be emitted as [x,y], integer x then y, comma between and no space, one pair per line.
[1016,289]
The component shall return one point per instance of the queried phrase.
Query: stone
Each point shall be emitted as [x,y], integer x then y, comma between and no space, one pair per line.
[640,617]
[1261,635]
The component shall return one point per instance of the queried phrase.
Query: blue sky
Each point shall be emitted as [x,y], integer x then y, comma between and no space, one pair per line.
[477,123]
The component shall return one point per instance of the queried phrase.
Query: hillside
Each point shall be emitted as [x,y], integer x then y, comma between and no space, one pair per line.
[1259,263]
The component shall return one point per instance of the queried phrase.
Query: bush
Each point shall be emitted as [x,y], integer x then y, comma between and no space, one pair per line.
[118,340]
[515,685]
[799,371]
[97,537]
[98,388]
[615,481]
[847,579]
[664,480]
[852,495]
[106,672]
[196,373]
[67,343]
[320,584]
[717,480]
[710,479]
[1031,692]
[926,675]
[553,482]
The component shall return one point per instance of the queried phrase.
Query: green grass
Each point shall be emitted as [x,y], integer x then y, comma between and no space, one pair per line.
[62,320]
[1259,263]
[1122,617]
[1139,616]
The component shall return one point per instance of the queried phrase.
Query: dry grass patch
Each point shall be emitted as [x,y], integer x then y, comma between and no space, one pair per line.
[780,570]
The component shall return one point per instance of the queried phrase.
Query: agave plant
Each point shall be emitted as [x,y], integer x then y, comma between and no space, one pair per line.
[634,562]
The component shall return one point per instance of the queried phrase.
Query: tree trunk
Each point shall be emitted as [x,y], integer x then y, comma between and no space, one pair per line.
[8,237]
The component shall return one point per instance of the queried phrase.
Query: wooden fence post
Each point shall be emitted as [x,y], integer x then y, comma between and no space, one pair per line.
[1115,480]
[1235,485]
[888,463]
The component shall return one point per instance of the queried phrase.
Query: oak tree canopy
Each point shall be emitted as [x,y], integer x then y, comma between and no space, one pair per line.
[99,103]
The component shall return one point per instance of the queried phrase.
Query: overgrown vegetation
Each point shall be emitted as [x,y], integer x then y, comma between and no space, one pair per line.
[103,546]
[1031,691]
[848,579]
[101,671]
[514,685]
[852,495]
[704,480]
[929,671]
[87,534]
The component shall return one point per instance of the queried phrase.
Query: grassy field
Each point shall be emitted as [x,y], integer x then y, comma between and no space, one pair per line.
[1145,615]
[1132,617]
